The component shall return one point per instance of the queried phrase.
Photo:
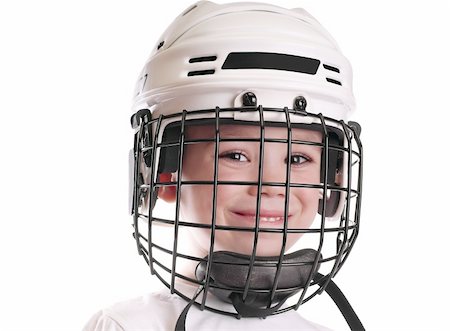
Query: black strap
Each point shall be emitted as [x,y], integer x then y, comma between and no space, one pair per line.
[181,322]
[342,303]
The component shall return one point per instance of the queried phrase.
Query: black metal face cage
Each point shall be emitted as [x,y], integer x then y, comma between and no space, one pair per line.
[159,150]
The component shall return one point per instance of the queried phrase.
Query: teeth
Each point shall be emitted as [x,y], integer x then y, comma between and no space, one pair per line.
[271,219]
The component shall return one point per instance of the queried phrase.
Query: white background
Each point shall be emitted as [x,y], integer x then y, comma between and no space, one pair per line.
[67,73]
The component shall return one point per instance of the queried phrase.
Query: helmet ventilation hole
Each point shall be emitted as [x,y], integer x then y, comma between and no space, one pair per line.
[334,81]
[189,10]
[201,72]
[331,68]
[203,59]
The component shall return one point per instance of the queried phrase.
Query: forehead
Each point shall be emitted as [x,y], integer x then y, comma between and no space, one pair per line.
[251,131]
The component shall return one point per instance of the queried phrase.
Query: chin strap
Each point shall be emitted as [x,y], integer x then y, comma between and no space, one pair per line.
[181,322]
[342,303]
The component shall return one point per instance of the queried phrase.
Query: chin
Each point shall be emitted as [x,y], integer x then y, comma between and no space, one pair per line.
[269,244]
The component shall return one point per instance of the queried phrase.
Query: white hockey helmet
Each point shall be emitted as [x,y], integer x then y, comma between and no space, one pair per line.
[212,54]
[256,64]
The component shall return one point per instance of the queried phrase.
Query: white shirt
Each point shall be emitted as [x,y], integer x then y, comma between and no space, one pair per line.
[160,311]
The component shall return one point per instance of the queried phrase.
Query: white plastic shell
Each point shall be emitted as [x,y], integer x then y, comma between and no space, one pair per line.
[212,30]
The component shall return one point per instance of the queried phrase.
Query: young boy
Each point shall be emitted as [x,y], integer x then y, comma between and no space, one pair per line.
[240,125]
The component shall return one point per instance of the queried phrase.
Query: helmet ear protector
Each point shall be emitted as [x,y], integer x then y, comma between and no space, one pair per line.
[334,168]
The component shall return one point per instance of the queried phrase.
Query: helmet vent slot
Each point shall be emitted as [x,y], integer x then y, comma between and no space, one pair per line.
[203,59]
[334,81]
[331,68]
[201,72]
[189,10]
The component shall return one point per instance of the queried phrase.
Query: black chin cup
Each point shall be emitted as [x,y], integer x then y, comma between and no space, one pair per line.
[228,276]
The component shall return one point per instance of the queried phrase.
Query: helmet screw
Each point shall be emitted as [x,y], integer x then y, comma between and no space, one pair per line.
[249,99]
[300,103]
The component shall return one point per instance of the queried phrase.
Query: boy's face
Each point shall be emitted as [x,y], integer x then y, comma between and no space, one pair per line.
[236,205]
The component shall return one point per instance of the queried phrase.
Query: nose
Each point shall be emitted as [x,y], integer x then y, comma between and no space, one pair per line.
[272,174]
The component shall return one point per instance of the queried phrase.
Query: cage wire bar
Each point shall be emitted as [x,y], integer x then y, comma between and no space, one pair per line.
[358,192]
[214,203]
[340,246]
[177,206]
[343,244]
[152,194]
[136,193]
[286,207]
[325,151]
[258,201]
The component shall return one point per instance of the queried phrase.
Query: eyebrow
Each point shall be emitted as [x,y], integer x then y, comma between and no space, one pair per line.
[229,131]
[307,135]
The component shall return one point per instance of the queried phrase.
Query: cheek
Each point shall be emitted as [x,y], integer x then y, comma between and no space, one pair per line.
[310,175]
[309,201]
[196,203]
[310,198]
[196,199]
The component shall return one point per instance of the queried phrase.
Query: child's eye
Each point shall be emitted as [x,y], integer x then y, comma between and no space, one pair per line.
[298,159]
[234,156]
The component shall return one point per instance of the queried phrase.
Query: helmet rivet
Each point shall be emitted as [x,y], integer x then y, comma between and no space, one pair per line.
[300,103]
[249,99]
